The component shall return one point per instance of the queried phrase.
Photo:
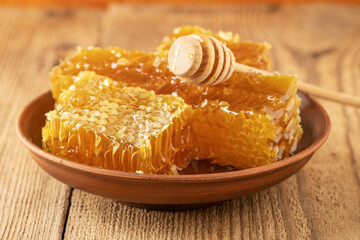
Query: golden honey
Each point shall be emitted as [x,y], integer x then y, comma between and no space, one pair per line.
[98,123]
[246,121]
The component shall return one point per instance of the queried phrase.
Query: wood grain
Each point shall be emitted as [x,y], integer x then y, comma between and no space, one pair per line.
[293,208]
[33,205]
[106,3]
[321,43]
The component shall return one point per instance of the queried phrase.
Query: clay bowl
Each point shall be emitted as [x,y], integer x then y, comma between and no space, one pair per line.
[171,192]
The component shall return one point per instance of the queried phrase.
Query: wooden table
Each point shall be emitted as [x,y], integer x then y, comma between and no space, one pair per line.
[319,42]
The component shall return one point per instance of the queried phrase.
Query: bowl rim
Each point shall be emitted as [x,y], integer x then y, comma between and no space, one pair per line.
[209,177]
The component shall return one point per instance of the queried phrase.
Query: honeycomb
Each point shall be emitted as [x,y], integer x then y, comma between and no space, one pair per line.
[246,121]
[100,124]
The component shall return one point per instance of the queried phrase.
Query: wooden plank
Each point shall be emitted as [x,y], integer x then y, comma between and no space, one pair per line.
[322,201]
[106,3]
[328,187]
[33,205]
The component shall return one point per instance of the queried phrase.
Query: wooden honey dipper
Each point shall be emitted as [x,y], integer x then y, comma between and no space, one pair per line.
[205,61]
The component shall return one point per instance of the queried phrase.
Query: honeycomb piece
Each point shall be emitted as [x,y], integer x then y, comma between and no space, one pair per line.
[230,138]
[150,70]
[99,123]
[246,121]
[248,138]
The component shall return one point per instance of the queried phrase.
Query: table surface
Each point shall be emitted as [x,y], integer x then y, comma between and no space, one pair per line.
[106,3]
[321,43]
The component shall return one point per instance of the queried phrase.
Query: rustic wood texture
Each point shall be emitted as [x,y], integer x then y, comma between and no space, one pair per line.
[32,204]
[321,43]
[106,3]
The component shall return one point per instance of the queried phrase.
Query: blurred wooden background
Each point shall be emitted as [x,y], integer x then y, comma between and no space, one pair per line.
[105,3]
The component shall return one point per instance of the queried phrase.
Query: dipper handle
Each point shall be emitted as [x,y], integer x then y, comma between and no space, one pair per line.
[205,61]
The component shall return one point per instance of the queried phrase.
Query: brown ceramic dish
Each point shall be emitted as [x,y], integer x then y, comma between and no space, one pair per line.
[171,192]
